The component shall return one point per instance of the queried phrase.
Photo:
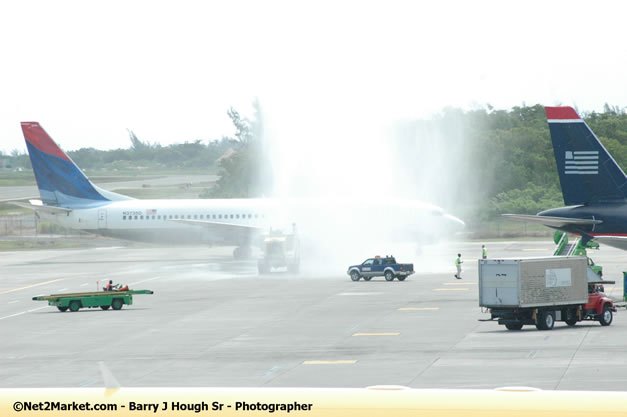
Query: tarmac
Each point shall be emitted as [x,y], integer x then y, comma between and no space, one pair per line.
[214,322]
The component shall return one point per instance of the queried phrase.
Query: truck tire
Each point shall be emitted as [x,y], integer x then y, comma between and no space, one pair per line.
[514,326]
[62,309]
[606,316]
[105,307]
[571,317]
[117,303]
[545,320]
[75,305]
[355,276]
[367,278]
[401,278]
[389,276]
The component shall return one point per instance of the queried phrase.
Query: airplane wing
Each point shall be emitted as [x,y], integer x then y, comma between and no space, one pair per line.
[38,205]
[551,221]
[225,229]
[619,242]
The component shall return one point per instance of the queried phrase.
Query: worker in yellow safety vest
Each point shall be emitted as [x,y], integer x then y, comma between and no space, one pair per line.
[484,252]
[458,264]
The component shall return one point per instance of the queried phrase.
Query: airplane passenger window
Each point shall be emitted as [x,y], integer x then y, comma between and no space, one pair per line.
[231,216]
[237,216]
[170,216]
[176,216]
[214,216]
[256,215]
[153,217]
[123,217]
[189,216]
[141,217]
[195,216]
[250,216]
[202,216]
[219,216]
[135,217]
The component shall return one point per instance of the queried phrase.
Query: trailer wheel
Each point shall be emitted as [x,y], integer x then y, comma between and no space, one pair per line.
[75,305]
[62,309]
[401,278]
[105,307]
[545,320]
[389,276]
[606,316]
[514,326]
[117,303]
[355,276]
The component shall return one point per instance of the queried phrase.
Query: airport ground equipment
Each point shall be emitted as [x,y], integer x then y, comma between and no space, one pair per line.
[380,267]
[541,291]
[102,299]
[576,248]
[279,250]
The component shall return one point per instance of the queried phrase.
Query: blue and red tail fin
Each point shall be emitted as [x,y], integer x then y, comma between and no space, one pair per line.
[587,171]
[60,180]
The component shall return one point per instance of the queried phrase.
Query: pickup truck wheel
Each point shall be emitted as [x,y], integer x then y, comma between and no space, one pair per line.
[389,276]
[355,276]
[606,316]
[75,305]
[400,278]
[367,278]
[514,326]
[105,307]
[62,309]
[545,320]
[117,303]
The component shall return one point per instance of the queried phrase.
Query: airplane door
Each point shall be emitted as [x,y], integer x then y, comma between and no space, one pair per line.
[102,219]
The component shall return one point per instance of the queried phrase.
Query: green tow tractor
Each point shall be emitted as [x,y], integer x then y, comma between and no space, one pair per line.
[102,299]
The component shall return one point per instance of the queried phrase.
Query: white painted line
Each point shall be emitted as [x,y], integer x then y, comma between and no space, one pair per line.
[340,362]
[62,289]
[31,286]
[14,301]
[84,285]
[23,312]
[145,280]
[360,293]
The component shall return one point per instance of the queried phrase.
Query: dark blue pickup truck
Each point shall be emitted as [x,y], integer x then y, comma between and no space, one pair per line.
[380,267]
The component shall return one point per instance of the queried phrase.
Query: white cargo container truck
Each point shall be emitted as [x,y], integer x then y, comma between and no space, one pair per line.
[541,291]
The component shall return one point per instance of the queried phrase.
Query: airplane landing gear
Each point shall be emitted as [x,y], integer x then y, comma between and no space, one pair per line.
[242,252]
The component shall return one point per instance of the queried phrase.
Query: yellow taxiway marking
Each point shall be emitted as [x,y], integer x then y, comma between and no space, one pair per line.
[376,334]
[340,362]
[31,286]
[450,289]
[418,308]
[460,283]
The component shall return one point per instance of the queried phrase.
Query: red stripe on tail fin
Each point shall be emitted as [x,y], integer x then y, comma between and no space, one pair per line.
[38,137]
[561,113]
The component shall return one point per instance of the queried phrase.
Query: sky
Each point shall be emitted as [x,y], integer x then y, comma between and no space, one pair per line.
[170,70]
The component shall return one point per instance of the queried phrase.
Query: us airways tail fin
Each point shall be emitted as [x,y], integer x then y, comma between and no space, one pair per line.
[60,181]
[587,172]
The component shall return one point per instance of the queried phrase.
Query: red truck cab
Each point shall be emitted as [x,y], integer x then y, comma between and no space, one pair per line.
[599,306]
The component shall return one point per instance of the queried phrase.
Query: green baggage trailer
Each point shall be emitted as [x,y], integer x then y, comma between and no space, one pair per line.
[102,299]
